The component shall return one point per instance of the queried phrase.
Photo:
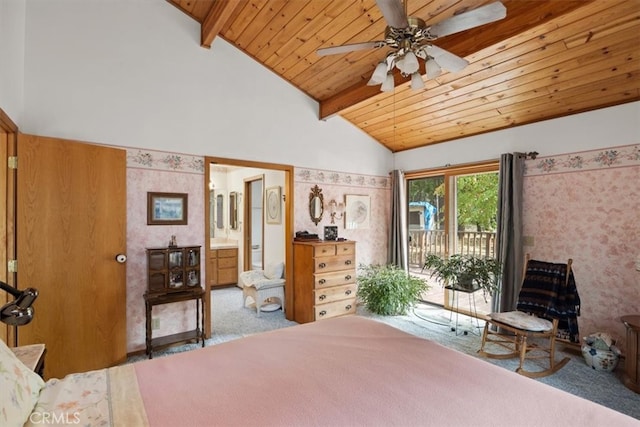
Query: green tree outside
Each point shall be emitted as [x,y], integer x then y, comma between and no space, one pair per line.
[477,199]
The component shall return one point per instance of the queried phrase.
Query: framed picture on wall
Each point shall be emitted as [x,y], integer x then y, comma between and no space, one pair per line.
[167,208]
[273,205]
[357,212]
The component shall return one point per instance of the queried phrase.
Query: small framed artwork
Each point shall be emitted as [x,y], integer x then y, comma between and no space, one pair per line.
[273,205]
[330,232]
[357,212]
[167,208]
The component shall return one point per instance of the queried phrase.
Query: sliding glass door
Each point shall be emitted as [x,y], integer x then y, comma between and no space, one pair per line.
[452,211]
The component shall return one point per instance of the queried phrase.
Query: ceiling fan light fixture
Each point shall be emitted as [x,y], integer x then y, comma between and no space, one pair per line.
[379,74]
[416,81]
[388,84]
[433,69]
[410,63]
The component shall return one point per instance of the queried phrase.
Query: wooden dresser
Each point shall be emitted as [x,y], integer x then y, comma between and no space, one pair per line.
[324,280]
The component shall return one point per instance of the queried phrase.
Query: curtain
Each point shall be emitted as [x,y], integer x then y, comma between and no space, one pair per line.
[398,252]
[509,252]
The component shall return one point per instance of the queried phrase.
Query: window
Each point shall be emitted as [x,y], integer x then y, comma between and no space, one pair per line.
[452,211]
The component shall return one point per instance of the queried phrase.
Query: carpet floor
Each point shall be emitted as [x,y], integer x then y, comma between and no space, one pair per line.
[230,320]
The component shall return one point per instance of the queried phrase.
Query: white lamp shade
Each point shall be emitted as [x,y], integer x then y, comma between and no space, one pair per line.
[433,69]
[388,83]
[416,81]
[379,74]
[410,63]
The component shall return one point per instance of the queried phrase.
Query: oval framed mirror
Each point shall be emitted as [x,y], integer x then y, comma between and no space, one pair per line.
[316,204]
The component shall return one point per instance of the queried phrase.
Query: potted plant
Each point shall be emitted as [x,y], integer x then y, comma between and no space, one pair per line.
[465,272]
[387,289]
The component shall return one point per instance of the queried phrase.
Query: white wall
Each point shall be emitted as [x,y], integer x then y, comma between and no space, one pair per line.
[613,126]
[132,74]
[12,22]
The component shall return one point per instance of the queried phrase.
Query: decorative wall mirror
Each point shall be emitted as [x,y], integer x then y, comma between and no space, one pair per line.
[316,204]
[233,210]
[220,211]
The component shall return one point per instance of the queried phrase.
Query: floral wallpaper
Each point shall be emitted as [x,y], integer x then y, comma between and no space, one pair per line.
[586,206]
[588,160]
[371,243]
[156,160]
[174,173]
[317,176]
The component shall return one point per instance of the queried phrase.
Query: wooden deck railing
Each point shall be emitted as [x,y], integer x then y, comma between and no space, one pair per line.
[425,242]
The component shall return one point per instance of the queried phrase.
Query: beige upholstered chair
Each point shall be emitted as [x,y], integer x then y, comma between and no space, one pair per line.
[263,286]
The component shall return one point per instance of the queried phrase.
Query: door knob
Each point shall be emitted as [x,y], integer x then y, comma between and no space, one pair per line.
[121,258]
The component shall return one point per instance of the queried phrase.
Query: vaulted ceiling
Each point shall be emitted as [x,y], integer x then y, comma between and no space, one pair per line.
[546,59]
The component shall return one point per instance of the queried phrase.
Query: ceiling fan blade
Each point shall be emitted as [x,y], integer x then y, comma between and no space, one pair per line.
[474,18]
[393,12]
[446,59]
[346,48]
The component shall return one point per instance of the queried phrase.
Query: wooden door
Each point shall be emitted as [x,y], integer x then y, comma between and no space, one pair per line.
[71,225]
[8,132]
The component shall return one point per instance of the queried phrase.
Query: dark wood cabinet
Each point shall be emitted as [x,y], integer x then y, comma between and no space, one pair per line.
[152,299]
[631,376]
[173,269]
[173,276]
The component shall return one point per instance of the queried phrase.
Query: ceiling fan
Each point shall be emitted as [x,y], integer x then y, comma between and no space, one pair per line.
[411,38]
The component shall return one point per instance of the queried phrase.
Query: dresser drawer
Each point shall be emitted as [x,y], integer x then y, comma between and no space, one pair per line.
[334,263]
[335,293]
[324,250]
[337,278]
[345,249]
[227,253]
[334,309]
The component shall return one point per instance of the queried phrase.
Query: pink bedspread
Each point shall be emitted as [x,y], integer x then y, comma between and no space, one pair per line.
[350,371]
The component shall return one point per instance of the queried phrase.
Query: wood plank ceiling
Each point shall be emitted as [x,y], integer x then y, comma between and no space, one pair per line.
[546,59]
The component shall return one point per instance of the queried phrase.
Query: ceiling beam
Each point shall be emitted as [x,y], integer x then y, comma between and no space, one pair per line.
[520,18]
[217,17]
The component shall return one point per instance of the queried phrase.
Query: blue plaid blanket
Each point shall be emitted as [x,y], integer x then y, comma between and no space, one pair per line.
[548,293]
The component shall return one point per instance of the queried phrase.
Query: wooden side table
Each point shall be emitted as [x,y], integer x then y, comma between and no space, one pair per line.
[151,300]
[32,356]
[631,376]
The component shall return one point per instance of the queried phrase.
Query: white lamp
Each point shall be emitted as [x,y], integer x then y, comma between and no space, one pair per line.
[379,74]
[410,63]
[388,83]
[433,69]
[416,81]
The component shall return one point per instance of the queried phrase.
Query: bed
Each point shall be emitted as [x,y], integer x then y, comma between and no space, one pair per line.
[345,371]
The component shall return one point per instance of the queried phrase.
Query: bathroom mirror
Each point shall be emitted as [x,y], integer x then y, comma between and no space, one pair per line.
[316,204]
[220,211]
[233,210]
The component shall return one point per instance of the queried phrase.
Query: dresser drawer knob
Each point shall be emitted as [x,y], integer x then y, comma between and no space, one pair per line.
[322,313]
[322,281]
[348,307]
[348,262]
[322,297]
[347,292]
[322,265]
[347,277]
